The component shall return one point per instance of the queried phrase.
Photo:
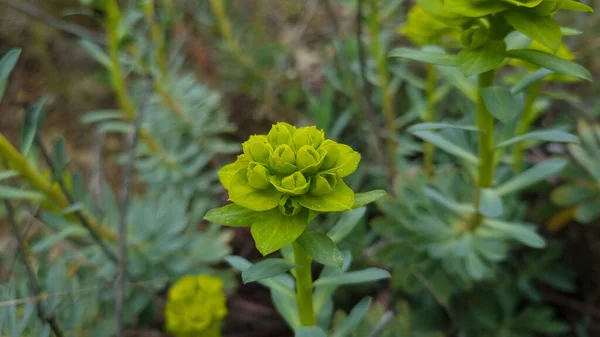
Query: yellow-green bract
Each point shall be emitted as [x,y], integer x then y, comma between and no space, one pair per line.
[282,180]
[195,307]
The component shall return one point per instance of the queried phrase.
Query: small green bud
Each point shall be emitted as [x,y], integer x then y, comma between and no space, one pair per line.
[258,176]
[323,184]
[475,36]
[281,133]
[309,135]
[283,159]
[332,156]
[308,160]
[289,206]
[294,184]
[258,148]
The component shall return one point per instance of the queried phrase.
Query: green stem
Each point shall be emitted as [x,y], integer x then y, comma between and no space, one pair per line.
[304,294]
[485,123]
[428,148]
[524,124]
[380,56]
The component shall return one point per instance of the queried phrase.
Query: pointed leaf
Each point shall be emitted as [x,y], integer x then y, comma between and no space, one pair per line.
[354,277]
[549,136]
[424,56]
[7,64]
[272,230]
[321,248]
[576,6]
[346,224]
[7,192]
[551,62]
[542,29]
[96,53]
[439,126]
[362,199]
[232,215]
[533,175]
[100,116]
[265,269]
[353,320]
[447,146]
[517,231]
[31,124]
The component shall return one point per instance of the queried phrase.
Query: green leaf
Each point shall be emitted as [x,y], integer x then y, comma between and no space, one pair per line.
[482,59]
[310,331]
[458,80]
[232,215]
[96,53]
[576,6]
[31,124]
[516,231]
[437,58]
[354,277]
[276,282]
[7,174]
[7,192]
[475,9]
[265,269]
[116,127]
[321,248]
[490,203]
[551,62]
[362,199]
[340,199]
[47,242]
[449,204]
[439,126]
[447,146]
[7,64]
[346,224]
[100,116]
[530,79]
[549,136]
[272,230]
[533,175]
[500,103]
[587,212]
[60,154]
[247,196]
[542,29]
[353,320]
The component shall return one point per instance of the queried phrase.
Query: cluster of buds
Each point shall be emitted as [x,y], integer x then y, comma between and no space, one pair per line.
[195,307]
[485,20]
[291,169]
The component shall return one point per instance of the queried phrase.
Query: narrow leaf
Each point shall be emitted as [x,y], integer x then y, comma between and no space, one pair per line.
[533,175]
[424,56]
[232,215]
[449,204]
[310,331]
[321,248]
[551,62]
[576,6]
[447,146]
[362,199]
[517,231]
[265,269]
[7,64]
[354,277]
[346,224]
[549,136]
[530,79]
[100,116]
[353,320]
[8,174]
[440,126]
[96,53]
[7,192]
[31,124]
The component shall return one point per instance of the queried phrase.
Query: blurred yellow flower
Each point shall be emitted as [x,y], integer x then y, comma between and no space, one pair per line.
[423,29]
[196,306]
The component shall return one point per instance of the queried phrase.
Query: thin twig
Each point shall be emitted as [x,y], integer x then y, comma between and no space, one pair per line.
[572,304]
[382,324]
[125,197]
[80,216]
[33,11]
[34,283]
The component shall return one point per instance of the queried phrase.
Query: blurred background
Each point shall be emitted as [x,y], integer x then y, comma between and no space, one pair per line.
[208,74]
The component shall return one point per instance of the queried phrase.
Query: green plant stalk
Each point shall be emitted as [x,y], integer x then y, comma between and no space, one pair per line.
[157,38]
[303,274]
[524,124]
[430,116]
[113,16]
[380,56]
[37,180]
[226,32]
[485,124]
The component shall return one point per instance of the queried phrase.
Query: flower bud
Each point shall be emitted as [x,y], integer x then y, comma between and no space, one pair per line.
[258,148]
[548,7]
[283,159]
[309,135]
[289,206]
[332,154]
[308,160]
[475,36]
[323,184]
[294,184]
[281,133]
[258,176]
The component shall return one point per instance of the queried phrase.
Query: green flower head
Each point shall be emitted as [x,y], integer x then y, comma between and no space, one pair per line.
[195,307]
[283,179]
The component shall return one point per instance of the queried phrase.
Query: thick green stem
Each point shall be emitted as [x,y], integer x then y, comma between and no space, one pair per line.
[524,124]
[485,123]
[430,116]
[380,56]
[304,294]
